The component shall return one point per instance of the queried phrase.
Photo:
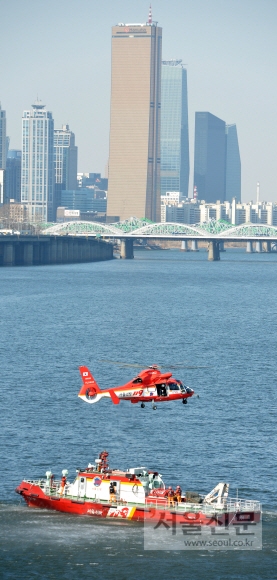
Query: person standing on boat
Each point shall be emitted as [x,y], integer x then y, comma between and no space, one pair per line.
[112,489]
[178,494]
[170,497]
[63,483]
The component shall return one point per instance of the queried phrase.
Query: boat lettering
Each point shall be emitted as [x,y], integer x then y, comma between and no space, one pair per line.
[118,512]
[95,512]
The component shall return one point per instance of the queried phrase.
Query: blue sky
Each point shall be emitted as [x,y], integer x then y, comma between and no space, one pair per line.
[61,51]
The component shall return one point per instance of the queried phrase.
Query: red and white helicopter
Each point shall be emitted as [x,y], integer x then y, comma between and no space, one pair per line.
[149,386]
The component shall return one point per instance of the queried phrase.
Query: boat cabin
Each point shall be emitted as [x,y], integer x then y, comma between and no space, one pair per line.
[132,486]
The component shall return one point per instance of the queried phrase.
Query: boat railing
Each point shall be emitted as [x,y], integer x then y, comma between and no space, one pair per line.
[231,505]
[227,505]
[52,489]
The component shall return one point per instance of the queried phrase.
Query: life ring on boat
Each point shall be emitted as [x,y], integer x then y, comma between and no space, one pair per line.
[90,393]
[135,489]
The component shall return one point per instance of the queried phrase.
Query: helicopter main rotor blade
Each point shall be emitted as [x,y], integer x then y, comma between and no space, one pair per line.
[177,366]
[121,364]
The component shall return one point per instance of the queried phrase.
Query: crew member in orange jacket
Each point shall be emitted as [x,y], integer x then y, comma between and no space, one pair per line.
[63,482]
[178,494]
[170,497]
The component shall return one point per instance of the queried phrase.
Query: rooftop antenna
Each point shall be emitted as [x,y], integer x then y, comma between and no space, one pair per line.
[258,192]
[150,15]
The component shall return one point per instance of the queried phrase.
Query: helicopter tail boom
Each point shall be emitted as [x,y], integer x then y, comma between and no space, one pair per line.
[90,390]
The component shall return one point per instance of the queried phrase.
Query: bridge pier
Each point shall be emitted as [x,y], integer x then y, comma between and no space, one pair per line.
[87,251]
[221,247]
[65,252]
[267,247]
[59,256]
[194,246]
[214,253]
[36,254]
[126,249]
[53,251]
[70,251]
[8,255]
[249,247]
[184,246]
[44,253]
[259,247]
[28,254]
[75,250]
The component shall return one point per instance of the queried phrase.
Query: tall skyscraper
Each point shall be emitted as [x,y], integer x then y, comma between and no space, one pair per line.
[134,161]
[3,139]
[209,157]
[233,165]
[37,173]
[65,162]
[174,129]
[13,176]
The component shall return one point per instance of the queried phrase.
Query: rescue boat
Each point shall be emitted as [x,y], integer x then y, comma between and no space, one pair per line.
[136,494]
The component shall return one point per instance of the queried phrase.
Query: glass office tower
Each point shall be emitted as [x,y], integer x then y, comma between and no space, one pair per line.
[3,140]
[65,162]
[134,160]
[37,169]
[174,129]
[209,157]
[233,164]
[13,176]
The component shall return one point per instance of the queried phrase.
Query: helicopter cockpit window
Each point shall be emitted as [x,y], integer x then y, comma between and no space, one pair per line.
[174,387]
[136,381]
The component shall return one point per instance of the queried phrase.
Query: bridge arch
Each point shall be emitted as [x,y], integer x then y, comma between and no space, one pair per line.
[250,230]
[81,228]
[168,229]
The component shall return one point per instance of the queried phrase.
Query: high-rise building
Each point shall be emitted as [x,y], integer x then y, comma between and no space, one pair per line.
[209,157]
[3,139]
[2,185]
[85,199]
[65,162]
[174,129]
[134,161]
[37,172]
[13,176]
[233,165]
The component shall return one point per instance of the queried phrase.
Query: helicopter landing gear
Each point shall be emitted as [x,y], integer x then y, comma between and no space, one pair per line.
[142,405]
[185,402]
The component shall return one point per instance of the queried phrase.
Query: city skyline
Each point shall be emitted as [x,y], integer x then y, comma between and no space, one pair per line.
[230,52]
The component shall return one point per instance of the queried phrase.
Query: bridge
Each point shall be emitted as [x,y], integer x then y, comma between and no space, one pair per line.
[215,233]
[33,250]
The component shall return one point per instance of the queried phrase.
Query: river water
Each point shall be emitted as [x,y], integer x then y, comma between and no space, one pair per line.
[163,307]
